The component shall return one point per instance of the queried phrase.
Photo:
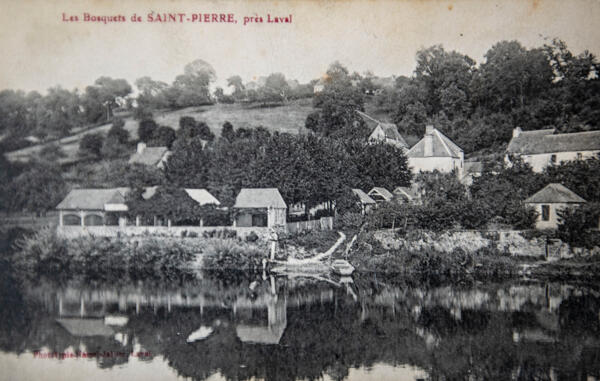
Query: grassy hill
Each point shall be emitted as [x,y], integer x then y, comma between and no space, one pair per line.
[286,118]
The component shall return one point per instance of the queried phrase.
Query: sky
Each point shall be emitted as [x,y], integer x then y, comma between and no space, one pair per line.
[40,50]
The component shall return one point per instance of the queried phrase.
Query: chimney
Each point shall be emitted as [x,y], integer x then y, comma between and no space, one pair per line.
[517,131]
[428,141]
[141,147]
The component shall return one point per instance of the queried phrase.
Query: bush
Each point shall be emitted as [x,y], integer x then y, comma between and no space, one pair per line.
[232,254]
[91,144]
[252,237]
[43,253]
[576,224]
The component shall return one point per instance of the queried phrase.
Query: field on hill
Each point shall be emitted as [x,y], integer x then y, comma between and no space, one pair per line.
[287,118]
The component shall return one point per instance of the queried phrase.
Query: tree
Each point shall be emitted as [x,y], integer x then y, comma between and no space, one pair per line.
[152,93]
[163,136]
[192,87]
[38,189]
[227,131]
[238,86]
[276,88]
[118,132]
[109,92]
[146,129]
[91,144]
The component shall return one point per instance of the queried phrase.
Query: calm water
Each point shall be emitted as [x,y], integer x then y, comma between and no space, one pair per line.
[301,328]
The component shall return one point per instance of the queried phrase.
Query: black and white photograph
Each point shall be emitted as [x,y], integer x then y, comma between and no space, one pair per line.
[301,190]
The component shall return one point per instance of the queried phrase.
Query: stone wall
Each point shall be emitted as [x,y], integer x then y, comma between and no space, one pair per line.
[509,241]
[173,231]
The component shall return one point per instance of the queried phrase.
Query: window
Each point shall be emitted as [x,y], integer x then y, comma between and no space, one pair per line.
[259,220]
[579,156]
[545,212]
[553,159]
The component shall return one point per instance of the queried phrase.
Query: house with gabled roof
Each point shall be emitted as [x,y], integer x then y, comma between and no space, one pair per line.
[384,132]
[259,207]
[151,156]
[436,152]
[406,194]
[93,207]
[380,194]
[541,148]
[549,201]
[97,207]
[366,202]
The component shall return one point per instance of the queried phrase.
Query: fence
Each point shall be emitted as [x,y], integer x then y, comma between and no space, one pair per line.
[324,223]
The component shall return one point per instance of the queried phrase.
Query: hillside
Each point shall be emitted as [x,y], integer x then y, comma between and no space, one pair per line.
[287,118]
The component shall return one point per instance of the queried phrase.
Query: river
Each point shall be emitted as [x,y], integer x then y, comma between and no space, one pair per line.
[260,327]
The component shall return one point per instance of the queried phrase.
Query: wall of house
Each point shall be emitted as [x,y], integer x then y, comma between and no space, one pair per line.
[243,220]
[442,164]
[552,222]
[540,161]
[276,217]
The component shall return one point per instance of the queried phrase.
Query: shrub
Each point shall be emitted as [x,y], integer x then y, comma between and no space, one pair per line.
[230,254]
[91,144]
[252,237]
[576,224]
[42,252]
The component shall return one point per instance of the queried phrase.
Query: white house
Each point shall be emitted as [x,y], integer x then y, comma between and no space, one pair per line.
[542,148]
[548,201]
[260,207]
[436,152]
[152,156]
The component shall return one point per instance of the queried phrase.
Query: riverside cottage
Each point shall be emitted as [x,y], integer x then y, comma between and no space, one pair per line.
[548,201]
[100,207]
[259,207]
[436,152]
[541,148]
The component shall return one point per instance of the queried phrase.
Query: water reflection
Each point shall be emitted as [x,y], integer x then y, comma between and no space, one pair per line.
[281,328]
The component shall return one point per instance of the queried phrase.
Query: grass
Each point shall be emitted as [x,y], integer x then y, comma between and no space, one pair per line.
[286,118]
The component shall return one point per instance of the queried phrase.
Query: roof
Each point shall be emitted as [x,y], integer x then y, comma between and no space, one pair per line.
[86,327]
[364,198]
[92,199]
[202,196]
[546,141]
[442,146]
[259,198]
[555,193]
[406,192]
[382,192]
[149,156]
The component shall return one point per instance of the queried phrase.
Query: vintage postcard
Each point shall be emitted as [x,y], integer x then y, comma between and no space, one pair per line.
[299,190]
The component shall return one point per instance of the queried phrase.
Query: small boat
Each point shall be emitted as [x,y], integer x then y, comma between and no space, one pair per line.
[342,267]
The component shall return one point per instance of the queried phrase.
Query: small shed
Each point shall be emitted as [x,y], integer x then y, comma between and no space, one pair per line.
[405,194]
[380,194]
[548,201]
[259,207]
[366,202]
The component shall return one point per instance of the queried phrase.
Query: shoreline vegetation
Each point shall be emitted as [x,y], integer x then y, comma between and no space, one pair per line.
[44,253]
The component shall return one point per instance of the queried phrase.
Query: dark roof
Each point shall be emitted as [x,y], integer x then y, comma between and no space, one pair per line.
[259,198]
[555,193]
[391,132]
[442,147]
[149,156]
[91,199]
[364,198]
[545,141]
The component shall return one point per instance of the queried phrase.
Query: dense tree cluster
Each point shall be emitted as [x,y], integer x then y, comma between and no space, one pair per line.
[306,169]
[478,106]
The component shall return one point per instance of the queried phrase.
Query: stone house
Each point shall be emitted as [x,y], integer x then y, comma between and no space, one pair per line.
[541,148]
[93,207]
[548,201]
[259,207]
[152,156]
[384,132]
[436,152]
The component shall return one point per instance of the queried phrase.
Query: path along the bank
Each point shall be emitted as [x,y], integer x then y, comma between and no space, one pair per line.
[317,258]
